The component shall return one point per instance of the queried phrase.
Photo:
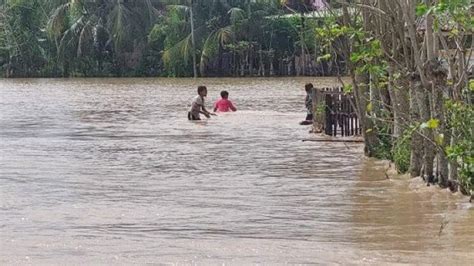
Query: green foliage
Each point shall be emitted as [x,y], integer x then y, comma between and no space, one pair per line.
[402,151]
[325,57]
[368,58]
[421,9]
[347,88]
[172,36]
[74,37]
[461,119]
[383,148]
[220,27]
[455,15]
[22,42]
[157,37]
[432,124]
[320,109]
[110,37]
[367,53]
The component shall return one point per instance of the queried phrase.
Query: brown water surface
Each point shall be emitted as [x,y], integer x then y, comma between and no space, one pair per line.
[109,171]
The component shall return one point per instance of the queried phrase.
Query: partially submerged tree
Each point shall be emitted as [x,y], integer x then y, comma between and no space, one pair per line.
[418,52]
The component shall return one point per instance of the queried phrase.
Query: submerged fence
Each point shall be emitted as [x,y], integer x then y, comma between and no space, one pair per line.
[335,112]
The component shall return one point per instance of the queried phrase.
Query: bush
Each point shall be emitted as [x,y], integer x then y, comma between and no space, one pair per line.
[461,119]
[383,149]
[401,153]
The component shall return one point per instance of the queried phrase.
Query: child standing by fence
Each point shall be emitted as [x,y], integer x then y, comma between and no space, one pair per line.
[308,102]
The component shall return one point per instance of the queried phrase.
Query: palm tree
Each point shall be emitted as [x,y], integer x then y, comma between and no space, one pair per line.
[21,37]
[187,6]
[120,26]
[220,23]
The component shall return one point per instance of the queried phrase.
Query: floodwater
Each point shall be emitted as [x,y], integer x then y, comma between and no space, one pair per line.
[109,171]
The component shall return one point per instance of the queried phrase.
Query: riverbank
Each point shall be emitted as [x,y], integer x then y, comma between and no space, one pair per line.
[408,221]
[417,184]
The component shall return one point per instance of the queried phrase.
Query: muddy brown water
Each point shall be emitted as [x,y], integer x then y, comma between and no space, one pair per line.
[109,171]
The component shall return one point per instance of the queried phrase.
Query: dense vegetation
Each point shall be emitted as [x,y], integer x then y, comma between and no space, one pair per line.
[410,63]
[156,38]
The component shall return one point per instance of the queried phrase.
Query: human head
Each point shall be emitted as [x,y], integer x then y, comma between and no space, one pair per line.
[224,94]
[202,90]
[308,87]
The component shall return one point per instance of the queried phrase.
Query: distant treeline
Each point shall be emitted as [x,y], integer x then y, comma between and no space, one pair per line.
[178,38]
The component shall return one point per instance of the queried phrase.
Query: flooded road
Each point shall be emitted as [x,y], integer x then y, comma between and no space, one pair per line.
[110,171]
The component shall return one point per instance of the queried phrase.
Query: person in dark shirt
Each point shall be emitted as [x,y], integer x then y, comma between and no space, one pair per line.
[308,102]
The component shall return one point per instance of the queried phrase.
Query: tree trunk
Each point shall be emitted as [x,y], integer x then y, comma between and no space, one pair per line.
[438,75]
[192,39]
[303,57]
[66,69]
[375,100]
[416,139]
[453,165]
[261,66]
[423,102]
[250,61]
[398,89]
[318,111]
[361,93]
[272,71]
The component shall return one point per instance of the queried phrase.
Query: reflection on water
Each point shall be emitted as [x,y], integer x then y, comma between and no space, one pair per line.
[110,171]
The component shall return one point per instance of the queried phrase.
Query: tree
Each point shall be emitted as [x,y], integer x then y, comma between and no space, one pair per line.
[117,27]
[21,38]
[413,42]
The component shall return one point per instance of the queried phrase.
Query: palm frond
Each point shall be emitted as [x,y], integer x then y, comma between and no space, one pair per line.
[176,2]
[68,41]
[119,24]
[63,43]
[224,35]
[180,8]
[187,48]
[182,49]
[85,37]
[236,14]
[150,8]
[214,41]
[58,21]
[209,50]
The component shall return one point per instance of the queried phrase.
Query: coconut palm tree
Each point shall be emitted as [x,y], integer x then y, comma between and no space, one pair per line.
[21,38]
[78,26]
[187,7]
[220,22]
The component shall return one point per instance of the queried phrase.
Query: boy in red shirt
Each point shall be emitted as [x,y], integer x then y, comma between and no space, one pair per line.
[224,105]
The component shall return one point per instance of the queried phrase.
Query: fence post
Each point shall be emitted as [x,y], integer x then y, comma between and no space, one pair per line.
[318,110]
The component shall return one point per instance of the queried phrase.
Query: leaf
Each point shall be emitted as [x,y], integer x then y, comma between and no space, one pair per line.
[421,9]
[369,107]
[355,57]
[441,7]
[347,88]
[236,15]
[454,32]
[369,130]
[439,139]
[324,57]
[432,124]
